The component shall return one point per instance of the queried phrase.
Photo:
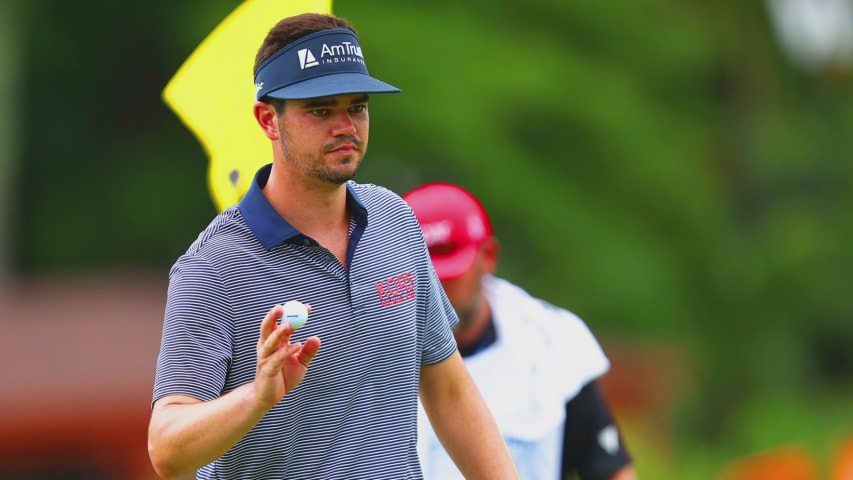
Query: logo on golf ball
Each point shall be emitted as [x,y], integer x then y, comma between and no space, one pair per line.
[294,313]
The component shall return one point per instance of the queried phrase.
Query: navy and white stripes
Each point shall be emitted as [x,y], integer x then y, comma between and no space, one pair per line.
[354,415]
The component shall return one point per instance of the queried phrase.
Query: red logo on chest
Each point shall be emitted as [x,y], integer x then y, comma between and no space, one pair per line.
[394,290]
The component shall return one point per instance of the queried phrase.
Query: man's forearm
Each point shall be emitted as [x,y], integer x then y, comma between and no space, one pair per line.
[185,433]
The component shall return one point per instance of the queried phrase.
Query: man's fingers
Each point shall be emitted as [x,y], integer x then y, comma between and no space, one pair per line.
[274,342]
[278,338]
[273,335]
[309,349]
[270,322]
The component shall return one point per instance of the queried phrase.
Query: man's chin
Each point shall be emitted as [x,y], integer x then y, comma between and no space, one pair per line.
[338,178]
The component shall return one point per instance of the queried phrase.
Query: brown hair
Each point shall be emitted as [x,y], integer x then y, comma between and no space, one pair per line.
[293,28]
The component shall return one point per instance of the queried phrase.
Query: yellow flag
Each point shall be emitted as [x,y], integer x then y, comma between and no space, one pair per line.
[213,93]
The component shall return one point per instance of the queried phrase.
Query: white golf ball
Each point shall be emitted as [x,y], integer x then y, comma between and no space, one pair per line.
[294,313]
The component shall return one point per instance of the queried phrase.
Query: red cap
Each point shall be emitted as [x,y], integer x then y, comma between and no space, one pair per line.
[454,224]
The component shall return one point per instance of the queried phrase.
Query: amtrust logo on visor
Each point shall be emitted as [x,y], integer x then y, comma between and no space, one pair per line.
[331,62]
[306,59]
[345,52]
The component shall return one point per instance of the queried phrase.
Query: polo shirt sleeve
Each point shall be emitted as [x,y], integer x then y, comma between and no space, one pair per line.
[437,313]
[440,343]
[195,350]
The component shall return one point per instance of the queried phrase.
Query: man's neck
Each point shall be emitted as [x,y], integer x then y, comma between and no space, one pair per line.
[307,206]
[319,212]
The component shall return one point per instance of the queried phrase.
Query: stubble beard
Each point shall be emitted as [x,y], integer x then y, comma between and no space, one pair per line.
[317,169]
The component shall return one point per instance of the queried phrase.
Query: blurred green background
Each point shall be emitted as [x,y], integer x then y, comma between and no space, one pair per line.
[671,171]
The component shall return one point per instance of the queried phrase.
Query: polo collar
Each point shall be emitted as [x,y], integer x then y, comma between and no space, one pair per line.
[269,227]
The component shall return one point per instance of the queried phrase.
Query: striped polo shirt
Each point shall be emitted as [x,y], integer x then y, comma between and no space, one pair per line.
[354,415]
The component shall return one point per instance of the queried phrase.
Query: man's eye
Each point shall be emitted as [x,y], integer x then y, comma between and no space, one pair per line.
[358,108]
[320,113]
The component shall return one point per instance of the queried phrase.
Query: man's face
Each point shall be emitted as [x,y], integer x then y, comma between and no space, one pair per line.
[325,138]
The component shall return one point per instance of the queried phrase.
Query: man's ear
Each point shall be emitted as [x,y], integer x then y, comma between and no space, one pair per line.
[267,118]
[491,249]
